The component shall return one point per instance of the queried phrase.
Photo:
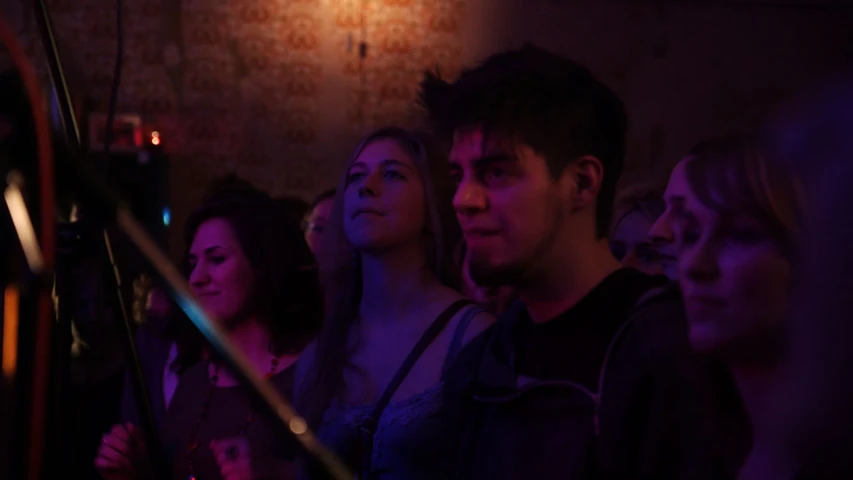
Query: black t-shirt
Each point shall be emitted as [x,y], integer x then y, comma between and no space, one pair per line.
[573,345]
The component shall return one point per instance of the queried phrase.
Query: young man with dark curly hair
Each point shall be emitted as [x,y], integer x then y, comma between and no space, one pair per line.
[590,374]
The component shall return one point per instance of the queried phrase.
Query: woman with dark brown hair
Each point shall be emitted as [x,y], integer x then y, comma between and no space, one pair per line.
[372,382]
[252,272]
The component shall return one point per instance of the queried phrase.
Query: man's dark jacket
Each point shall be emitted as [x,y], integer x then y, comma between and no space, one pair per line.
[653,417]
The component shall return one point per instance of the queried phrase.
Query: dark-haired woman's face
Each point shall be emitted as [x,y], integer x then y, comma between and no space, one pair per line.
[734,277]
[220,274]
[384,200]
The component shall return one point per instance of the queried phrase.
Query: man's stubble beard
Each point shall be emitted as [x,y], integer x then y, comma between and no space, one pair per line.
[519,272]
[484,274]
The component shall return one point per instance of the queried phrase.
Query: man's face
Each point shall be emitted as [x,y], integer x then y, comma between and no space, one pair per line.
[508,205]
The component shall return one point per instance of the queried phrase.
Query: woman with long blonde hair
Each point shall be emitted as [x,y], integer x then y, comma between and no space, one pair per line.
[372,382]
[811,425]
[737,234]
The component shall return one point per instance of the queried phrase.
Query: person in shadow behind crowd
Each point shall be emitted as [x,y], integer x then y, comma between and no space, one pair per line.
[737,233]
[251,271]
[637,209]
[294,209]
[809,427]
[590,374]
[315,221]
[371,385]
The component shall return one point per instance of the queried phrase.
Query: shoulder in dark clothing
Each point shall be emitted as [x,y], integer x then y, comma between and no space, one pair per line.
[686,417]
[458,380]
[153,350]
[653,419]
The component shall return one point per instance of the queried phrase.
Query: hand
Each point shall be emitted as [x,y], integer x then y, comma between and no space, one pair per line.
[234,457]
[121,455]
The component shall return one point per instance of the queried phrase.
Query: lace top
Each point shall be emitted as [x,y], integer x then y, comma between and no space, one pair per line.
[411,440]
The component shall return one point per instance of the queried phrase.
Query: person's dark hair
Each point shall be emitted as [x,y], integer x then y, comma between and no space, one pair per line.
[287,294]
[704,146]
[535,97]
[322,197]
[229,186]
[293,209]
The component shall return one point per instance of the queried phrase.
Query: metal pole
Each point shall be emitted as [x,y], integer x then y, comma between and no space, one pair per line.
[72,133]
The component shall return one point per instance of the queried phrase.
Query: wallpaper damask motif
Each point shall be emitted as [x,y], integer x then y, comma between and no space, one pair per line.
[245,85]
[403,38]
[277,90]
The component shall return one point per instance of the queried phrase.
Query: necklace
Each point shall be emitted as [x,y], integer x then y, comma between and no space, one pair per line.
[205,411]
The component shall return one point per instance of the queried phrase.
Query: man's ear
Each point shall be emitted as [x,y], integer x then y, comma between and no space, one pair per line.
[582,178]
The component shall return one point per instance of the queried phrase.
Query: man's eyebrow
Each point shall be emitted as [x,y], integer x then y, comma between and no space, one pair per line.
[492,158]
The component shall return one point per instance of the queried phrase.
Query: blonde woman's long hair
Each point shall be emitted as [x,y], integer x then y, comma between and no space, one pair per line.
[341,272]
[735,174]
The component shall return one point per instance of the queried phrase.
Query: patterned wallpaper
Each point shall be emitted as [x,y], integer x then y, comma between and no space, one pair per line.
[276,90]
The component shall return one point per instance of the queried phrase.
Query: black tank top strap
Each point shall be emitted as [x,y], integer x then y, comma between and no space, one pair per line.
[458,341]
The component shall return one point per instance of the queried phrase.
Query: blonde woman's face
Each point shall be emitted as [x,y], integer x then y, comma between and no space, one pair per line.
[384,199]
[734,276]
